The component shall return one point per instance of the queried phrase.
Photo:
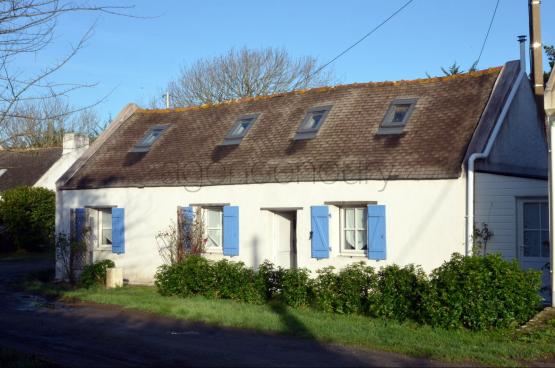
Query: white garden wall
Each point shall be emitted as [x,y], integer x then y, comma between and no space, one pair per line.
[425,219]
[496,205]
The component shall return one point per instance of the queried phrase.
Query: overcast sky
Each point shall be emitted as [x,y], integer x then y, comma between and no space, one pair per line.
[134,58]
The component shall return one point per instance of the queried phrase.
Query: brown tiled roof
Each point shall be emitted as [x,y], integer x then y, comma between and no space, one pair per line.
[25,167]
[347,147]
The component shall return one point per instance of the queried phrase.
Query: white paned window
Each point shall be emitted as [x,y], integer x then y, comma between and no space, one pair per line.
[105,227]
[213,227]
[535,229]
[355,229]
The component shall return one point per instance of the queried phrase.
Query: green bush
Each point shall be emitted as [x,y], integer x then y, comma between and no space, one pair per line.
[269,279]
[325,289]
[471,292]
[356,282]
[28,215]
[294,287]
[343,292]
[192,276]
[232,280]
[95,274]
[481,292]
[399,292]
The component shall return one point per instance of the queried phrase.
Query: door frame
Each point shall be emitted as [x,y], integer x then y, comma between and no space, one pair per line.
[294,216]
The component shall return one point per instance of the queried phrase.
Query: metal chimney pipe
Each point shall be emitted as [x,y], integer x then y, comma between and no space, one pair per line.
[536,51]
[522,41]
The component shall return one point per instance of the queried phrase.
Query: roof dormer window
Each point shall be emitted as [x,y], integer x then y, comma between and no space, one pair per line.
[312,122]
[397,116]
[151,136]
[240,129]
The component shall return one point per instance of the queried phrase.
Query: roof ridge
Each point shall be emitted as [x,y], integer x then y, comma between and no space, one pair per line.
[327,88]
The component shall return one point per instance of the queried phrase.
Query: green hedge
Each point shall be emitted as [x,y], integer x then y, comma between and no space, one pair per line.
[95,274]
[476,292]
[481,292]
[28,215]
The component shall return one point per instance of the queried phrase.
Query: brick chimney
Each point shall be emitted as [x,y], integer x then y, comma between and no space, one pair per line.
[74,142]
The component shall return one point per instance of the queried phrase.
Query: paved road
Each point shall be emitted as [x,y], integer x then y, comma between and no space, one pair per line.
[94,335]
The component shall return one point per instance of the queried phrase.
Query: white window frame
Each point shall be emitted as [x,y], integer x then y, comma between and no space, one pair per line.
[343,229]
[520,227]
[304,132]
[388,126]
[100,216]
[205,210]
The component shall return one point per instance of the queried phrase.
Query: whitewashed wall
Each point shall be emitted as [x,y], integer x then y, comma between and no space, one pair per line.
[73,147]
[425,219]
[496,205]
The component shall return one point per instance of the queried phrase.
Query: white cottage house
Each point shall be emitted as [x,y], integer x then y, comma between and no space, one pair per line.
[392,172]
[40,167]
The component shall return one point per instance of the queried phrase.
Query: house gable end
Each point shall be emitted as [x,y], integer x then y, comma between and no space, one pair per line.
[520,148]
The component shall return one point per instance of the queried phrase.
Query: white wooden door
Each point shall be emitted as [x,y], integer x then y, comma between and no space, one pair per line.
[533,239]
[285,239]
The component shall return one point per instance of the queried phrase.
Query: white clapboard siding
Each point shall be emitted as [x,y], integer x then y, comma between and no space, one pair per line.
[495,205]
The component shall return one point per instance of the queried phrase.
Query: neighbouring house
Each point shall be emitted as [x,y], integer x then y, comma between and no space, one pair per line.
[392,172]
[39,167]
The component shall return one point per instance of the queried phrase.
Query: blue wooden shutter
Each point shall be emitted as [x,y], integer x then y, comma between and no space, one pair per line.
[320,232]
[231,231]
[79,224]
[187,217]
[118,231]
[376,232]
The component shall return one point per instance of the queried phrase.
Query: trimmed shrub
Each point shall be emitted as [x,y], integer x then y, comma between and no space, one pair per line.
[399,292]
[232,280]
[346,291]
[294,287]
[28,214]
[481,292]
[269,279]
[192,276]
[355,284]
[471,292]
[95,274]
[325,289]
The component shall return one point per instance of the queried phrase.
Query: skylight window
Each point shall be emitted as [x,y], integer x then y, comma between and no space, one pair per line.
[240,129]
[312,122]
[397,116]
[149,138]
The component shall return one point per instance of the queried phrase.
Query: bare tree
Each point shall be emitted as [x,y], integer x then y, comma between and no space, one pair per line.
[43,123]
[28,27]
[244,73]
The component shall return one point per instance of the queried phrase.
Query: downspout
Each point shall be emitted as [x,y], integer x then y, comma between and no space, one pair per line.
[482,155]
[549,107]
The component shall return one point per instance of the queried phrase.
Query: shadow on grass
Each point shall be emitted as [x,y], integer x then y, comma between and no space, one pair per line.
[293,326]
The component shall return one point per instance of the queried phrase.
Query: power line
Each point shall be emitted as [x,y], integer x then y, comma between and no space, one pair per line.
[487,33]
[361,39]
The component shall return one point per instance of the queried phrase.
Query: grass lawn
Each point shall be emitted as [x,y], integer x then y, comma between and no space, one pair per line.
[491,348]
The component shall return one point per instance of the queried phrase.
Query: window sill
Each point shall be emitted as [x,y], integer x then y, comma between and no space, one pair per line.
[353,255]
[214,251]
[104,249]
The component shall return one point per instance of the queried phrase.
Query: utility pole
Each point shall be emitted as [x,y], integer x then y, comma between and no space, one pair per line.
[536,51]
[167,99]
[550,120]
